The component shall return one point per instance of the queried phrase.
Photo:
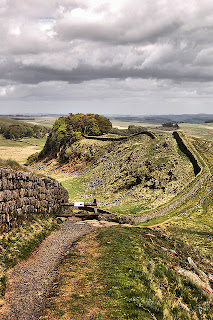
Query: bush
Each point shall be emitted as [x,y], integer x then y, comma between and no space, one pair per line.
[32,158]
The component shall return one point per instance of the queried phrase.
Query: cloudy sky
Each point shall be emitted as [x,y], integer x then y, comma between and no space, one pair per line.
[106,56]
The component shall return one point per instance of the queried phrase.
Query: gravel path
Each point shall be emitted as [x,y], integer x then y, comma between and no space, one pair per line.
[31,280]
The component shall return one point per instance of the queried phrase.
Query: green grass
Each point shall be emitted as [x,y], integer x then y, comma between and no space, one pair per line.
[196,227]
[129,273]
[75,187]
[12,164]
[115,180]
[35,141]
[192,202]
[129,209]
[204,131]
[206,149]
[9,143]
[19,242]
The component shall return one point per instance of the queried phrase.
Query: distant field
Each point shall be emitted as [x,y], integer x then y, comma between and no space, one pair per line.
[42,121]
[204,131]
[124,124]
[18,151]
[35,141]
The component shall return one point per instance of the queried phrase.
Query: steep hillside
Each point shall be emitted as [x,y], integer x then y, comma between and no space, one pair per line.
[130,176]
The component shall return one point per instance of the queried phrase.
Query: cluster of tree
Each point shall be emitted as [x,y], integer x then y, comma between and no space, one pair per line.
[209,121]
[67,130]
[19,131]
[173,125]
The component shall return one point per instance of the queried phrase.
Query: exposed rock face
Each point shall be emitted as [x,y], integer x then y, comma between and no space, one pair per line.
[22,194]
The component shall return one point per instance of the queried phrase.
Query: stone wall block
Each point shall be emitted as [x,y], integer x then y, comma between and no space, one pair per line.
[5,208]
[4,183]
[1,196]
[10,185]
[15,194]
[12,205]
[23,193]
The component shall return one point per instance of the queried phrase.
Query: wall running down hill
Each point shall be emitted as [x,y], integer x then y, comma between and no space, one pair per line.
[23,194]
[183,147]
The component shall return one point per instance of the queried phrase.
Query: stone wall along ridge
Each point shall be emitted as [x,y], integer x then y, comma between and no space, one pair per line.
[23,194]
[148,133]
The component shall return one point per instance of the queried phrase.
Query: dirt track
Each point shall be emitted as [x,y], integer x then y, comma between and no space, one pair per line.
[30,281]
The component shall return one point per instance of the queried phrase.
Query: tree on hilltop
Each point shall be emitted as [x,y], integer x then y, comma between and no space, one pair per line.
[67,130]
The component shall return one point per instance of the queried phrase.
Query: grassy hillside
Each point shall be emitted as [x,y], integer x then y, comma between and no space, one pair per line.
[161,270]
[11,164]
[19,242]
[128,177]
[139,174]
[134,273]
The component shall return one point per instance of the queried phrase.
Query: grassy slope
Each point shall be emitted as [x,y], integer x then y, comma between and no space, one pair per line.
[204,131]
[130,273]
[11,164]
[18,243]
[115,174]
[123,273]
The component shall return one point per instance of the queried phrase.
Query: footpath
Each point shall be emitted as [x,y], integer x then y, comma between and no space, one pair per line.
[30,282]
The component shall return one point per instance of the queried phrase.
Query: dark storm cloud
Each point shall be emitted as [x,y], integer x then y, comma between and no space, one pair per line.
[36,74]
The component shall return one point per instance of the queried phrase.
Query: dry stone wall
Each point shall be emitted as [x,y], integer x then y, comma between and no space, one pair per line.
[183,147]
[148,133]
[23,194]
